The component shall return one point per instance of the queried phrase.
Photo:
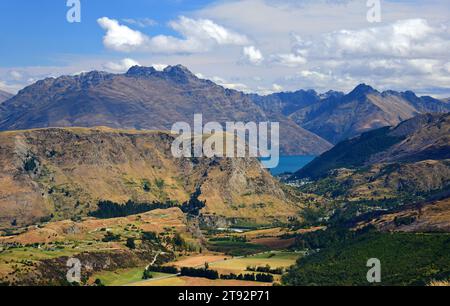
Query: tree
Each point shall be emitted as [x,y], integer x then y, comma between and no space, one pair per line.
[109,237]
[147,275]
[146,186]
[149,236]
[131,244]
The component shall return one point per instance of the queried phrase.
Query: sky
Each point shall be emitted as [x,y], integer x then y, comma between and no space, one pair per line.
[261,46]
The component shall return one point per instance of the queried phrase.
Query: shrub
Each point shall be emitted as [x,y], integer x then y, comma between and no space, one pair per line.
[110,237]
[131,243]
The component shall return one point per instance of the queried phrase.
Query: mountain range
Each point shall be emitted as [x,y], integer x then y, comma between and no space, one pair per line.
[147,99]
[336,116]
[424,137]
[143,98]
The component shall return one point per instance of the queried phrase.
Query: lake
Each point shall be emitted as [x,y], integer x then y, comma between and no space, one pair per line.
[291,164]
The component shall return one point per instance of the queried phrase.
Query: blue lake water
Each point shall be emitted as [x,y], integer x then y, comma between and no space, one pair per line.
[291,164]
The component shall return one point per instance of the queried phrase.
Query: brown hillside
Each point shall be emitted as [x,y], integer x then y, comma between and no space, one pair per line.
[65,172]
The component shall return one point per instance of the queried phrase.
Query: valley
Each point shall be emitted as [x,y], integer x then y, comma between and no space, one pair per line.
[87,174]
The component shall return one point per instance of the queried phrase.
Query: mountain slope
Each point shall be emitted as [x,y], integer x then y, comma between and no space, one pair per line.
[143,98]
[428,217]
[337,118]
[4,96]
[288,103]
[65,172]
[421,138]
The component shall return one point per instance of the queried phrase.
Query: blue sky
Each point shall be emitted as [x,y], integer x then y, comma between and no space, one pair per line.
[251,45]
[38,31]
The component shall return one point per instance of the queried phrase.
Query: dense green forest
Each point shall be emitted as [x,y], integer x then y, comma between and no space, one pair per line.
[406,259]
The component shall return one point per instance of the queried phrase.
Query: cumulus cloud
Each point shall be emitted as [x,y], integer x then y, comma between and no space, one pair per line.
[198,35]
[224,83]
[277,87]
[289,59]
[15,75]
[8,87]
[412,38]
[119,37]
[122,65]
[253,55]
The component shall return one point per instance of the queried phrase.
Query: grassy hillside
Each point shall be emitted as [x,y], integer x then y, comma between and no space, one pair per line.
[38,255]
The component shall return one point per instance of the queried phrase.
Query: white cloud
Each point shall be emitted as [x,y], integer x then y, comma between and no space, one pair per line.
[289,60]
[253,55]
[119,37]
[410,38]
[8,87]
[159,67]
[15,75]
[141,22]
[277,87]
[224,83]
[121,66]
[198,35]
[205,30]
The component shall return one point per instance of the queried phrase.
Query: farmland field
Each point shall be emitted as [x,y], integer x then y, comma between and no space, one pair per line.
[197,261]
[123,276]
[201,282]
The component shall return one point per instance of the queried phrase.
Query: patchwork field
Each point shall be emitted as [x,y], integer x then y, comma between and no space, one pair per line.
[223,265]
[273,259]
[104,243]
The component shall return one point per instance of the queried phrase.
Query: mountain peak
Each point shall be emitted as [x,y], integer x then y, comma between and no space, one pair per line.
[177,69]
[141,71]
[363,89]
[177,73]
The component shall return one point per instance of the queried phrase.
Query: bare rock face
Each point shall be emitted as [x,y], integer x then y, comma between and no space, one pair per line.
[64,172]
[143,99]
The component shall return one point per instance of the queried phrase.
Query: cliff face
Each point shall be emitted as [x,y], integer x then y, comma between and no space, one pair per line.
[65,172]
